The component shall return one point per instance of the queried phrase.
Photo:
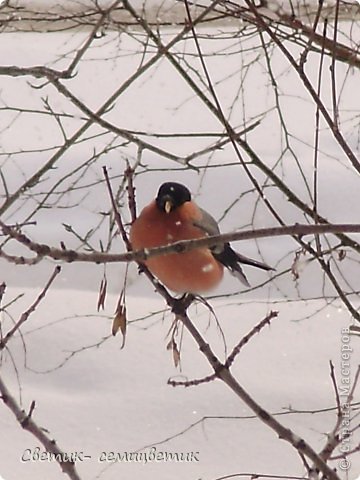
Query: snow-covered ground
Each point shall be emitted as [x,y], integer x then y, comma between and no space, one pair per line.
[105,400]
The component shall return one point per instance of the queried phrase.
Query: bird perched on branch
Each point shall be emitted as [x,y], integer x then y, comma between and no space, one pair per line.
[172,217]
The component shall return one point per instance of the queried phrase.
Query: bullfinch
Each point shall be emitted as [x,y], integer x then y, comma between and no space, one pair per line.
[172,217]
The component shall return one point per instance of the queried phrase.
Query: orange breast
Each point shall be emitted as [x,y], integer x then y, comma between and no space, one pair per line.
[196,271]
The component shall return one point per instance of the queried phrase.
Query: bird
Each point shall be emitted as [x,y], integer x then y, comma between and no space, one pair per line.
[173,216]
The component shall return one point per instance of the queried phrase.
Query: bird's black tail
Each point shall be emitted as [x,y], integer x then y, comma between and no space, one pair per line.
[231,260]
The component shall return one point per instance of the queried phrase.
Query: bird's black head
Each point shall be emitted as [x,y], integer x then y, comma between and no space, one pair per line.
[172,195]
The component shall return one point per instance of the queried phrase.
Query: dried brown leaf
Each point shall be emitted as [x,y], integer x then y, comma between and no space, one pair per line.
[176,356]
[120,319]
[119,322]
[175,351]
[102,294]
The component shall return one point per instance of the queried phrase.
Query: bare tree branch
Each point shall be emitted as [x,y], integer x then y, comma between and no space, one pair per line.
[178,247]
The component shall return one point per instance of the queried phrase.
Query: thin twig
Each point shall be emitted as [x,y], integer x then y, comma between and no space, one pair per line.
[117,215]
[311,38]
[191,383]
[336,390]
[333,67]
[25,315]
[236,350]
[129,174]
[316,146]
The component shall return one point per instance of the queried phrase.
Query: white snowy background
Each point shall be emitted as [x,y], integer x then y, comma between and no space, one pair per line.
[104,399]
